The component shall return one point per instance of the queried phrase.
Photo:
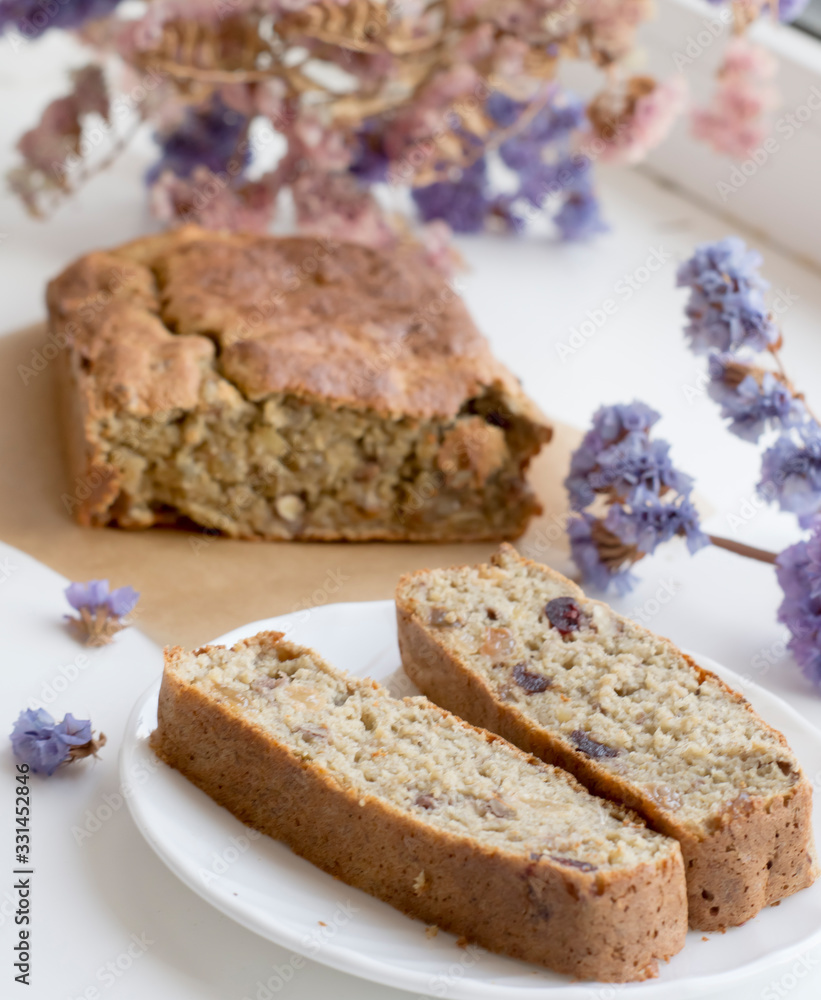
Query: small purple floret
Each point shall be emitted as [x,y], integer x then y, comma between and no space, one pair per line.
[753,408]
[122,600]
[726,305]
[791,473]
[37,741]
[95,595]
[798,569]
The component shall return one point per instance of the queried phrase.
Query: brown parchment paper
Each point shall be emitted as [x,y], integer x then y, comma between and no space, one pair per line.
[194,587]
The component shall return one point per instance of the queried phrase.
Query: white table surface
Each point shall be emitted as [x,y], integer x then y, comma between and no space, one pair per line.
[527,295]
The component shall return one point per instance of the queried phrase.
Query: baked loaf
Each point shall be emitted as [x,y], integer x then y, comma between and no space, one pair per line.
[445,822]
[286,388]
[515,647]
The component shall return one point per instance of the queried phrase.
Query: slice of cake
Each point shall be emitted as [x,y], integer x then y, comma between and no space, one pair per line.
[447,823]
[515,647]
[285,388]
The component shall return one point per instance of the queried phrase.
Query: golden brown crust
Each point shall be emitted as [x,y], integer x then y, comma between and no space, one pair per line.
[589,925]
[190,321]
[337,322]
[760,850]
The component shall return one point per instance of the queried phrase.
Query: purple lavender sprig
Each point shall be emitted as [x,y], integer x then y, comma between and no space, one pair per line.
[726,305]
[43,744]
[791,473]
[727,316]
[798,569]
[101,612]
[643,499]
[753,399]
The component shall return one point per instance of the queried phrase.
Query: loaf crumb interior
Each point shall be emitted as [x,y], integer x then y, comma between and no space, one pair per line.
[419,759]
[289,467]
[609,687]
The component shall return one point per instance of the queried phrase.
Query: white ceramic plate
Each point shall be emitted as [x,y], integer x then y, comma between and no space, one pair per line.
[264,886]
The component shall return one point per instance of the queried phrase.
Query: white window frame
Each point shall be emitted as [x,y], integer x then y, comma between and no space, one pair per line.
[781,194]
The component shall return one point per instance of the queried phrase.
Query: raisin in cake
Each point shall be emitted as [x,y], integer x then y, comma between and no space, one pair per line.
[515,647]
[286,388]
[447,823]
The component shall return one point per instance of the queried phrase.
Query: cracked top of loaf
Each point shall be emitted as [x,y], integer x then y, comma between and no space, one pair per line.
[157,317]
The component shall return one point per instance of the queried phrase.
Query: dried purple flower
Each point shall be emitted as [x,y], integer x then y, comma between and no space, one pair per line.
[540,154]
[726,304]
[503,109]
[462,203]
[599,565]
[87,595]
[649,521]
[75,732]
[752,399]
[618,457]
[32,18]
[612,422]
[44,745]
[580,216]
[208,137]
[637,463]
[645,498]
[552,125]
[791,473]
[101,612]
[370,160]
[798,569]
[121,601]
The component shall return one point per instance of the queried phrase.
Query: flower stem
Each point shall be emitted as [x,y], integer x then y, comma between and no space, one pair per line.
[779,363]
[750,551]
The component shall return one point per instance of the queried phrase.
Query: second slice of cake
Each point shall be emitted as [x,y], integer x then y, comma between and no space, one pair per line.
[518,649]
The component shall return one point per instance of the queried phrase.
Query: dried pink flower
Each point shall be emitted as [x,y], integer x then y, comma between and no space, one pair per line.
[611,24]
[633,122]
[208,200]
[735,121]
[54,137]
[90,92]
[240,97]
[474,45]
[464,10]
[48,148]
[270,101]
[335,205]
[509,57]
[319,145]
[411,136]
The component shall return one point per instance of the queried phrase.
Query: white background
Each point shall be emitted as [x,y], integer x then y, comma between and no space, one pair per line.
[528,297]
